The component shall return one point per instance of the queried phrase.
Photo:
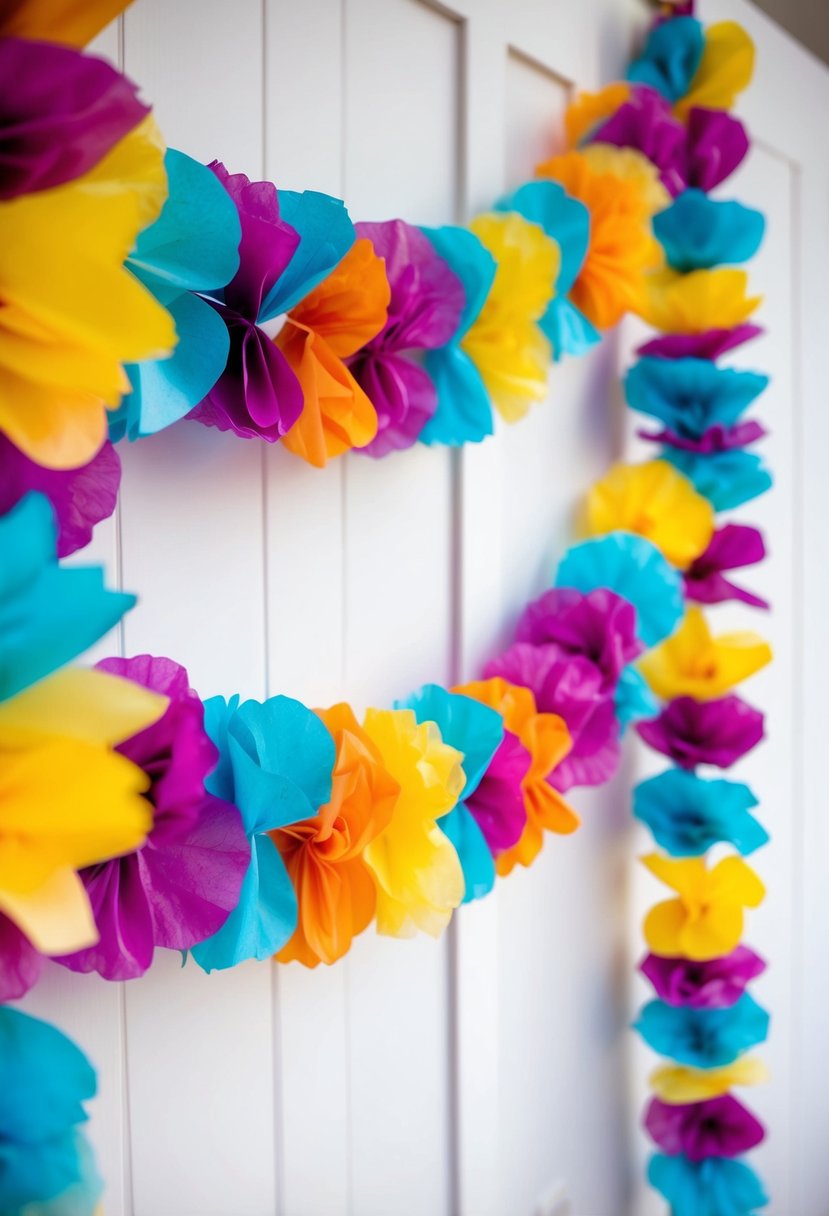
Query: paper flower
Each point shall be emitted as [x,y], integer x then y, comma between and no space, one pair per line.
[425,308]
[697,301]
[275,764]
[732,547]
[72,314]
[693,663]
[724,70]
[334,886]
[647,124]
[670,57]
[726,478]
[697,232]
[180,886]
[280,260]
[706,918]
[715,440]
[677,1084]
[719,1127]
[192,247]
[45,1081]
[621,191]
[715,984]
[320,333]
[567,222]
[691,395]
[716,143]
[63,21]
[635,570]
[714,1187]
[633,700]
[505,342]
[704,732]
[575,689]
[708,344]
[80,498]
[476,731]
[687,814]
[599,625]
[655,501]
[586,113]
[546,741]
[464,410]
[68,111]
[416,868]
[703,1038]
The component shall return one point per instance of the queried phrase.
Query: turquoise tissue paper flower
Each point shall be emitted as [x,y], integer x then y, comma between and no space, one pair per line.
[464,411]
[703,1038]
[697,232]
[687,814]
[44,1082]
[670,57]
[48,614]
[567,221]
[192,247]
[718,1186]
[477,731]
[727,479]
[634,569]
[276,761]
[691,395]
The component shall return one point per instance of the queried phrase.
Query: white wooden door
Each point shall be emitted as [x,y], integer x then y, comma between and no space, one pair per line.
[485,1074]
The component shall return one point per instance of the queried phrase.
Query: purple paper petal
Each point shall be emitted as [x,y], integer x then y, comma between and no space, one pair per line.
[718,1127]
[646,122]
[403,396]
[704,732]
[121,906]
[708,345]
[716,144]
[717,438]
[20,963]
[599,625]
[715,984]
[60,114]
[730,548]
[497,805]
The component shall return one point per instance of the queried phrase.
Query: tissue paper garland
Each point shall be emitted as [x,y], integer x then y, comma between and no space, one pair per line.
[340,858]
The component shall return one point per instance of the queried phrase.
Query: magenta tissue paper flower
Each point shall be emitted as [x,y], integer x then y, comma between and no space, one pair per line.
[427,299]
[714,984]
[497,803]
[717,438]
[730,548]
[704,732]
[599,625]
[710,344]
[179,888]
[718,1127]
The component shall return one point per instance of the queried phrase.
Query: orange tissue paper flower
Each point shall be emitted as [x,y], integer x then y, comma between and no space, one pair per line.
[324,855]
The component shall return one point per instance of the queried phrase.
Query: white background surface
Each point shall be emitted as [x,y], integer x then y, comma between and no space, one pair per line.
[474,1074]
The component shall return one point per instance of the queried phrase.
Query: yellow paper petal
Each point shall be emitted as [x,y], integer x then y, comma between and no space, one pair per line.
[56,917]
[725,70]
[653,500]
[663,927]
[694,663]
[678,1084]
[505,343]
[83,704]
[711,932]
[702,299]
[734,879]
[629,165]
[72,22]
[685,875]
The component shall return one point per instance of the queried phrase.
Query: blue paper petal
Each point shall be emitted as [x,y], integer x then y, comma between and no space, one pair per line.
[473,852]
[472,263]
[670,58]
[691,395]
[464,412]
[717,1186]
[636,570]
[688,814]
[727,479]
[465,724]
[697,232]
[165,390]
[325,236]
[568,330]
[633,698]
[703,1038]
[48,614]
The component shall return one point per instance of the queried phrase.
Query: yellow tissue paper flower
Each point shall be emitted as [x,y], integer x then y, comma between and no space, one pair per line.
[653,500]
[678,1084]
[72,313]
[505,342]
[693,663]
[66,800]
[418,875]
[72,22]
[588,110]
[702,299]
[706,920]
[725,70]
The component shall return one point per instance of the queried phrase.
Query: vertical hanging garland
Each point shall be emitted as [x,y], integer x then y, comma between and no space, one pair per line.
[702,1019]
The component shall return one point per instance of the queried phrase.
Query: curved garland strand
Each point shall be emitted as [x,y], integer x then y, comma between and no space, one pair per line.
[232,830]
